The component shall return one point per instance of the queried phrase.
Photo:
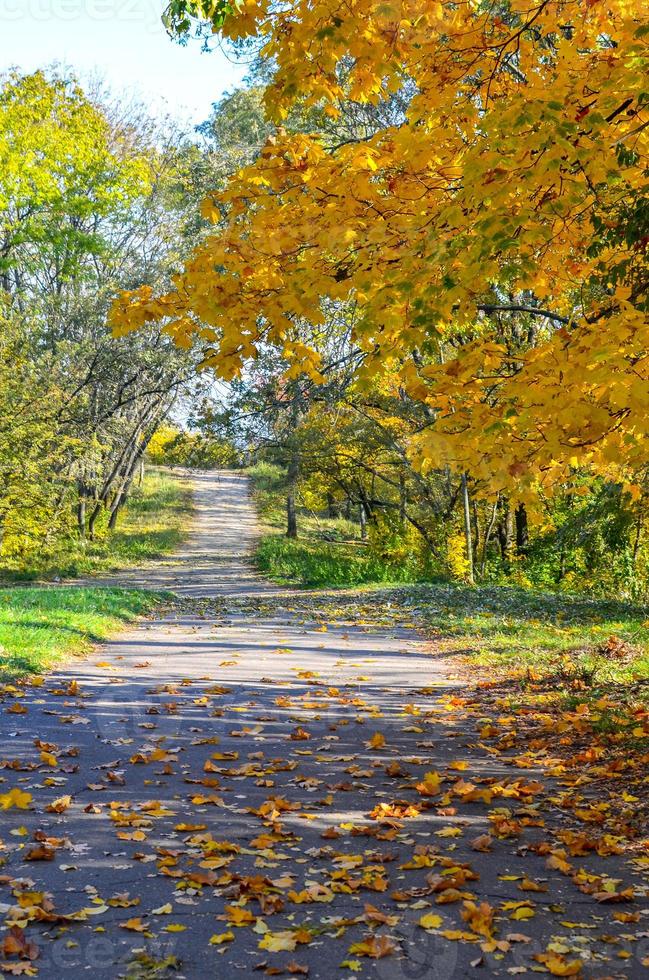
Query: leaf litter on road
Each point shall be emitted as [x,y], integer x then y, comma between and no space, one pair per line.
[325,823]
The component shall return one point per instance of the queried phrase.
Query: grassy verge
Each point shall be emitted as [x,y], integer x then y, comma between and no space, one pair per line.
[328,552]
[312,563]
[499,633]
[564,675]
[40,626]
[152,525]
[507,630]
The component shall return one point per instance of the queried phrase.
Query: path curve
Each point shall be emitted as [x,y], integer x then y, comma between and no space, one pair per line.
[215,559]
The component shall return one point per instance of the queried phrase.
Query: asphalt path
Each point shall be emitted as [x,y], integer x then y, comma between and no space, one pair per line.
[245,774]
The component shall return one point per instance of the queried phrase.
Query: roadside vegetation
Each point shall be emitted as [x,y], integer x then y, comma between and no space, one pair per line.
[41,626]
[152,525]
[534,635]
[499,630]
[330,550]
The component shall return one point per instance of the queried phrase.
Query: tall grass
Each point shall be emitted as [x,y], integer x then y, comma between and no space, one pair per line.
[326,563]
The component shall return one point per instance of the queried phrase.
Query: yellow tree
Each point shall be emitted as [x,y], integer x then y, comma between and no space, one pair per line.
[514,183]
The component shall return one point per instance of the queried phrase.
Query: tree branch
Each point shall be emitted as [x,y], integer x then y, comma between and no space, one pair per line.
[516,308]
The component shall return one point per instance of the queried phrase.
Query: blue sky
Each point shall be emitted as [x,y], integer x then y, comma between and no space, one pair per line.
[121,40]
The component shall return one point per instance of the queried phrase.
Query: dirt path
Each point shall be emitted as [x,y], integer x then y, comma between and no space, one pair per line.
[248,791]
[214,561]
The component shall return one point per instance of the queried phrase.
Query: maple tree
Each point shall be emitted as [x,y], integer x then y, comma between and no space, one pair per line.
[511,188]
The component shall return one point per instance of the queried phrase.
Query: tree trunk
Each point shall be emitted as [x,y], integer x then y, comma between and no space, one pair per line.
[120,501]
[106,496]
[112,521]
[92,520]
[81,516]
[367,503]
[476,532]
[291,515]
[637,539]
[362,520]
[467,529]
[291,510]
[332,509]
[123,470]
[135,464]
[505,532]
[522,534]
[402,499]
[82,502]
[487,536]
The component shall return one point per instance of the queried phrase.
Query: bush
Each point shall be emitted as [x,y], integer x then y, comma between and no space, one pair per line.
[175,447]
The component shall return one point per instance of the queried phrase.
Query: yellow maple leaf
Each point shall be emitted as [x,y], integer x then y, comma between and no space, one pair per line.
[558,965]
[430,784]
[479,917]
[15,798]
[376,947]
[277,941]
[134,925]
[524,912]
[430,921]
[60,805]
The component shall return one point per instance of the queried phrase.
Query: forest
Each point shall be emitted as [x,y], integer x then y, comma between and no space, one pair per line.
[110,199]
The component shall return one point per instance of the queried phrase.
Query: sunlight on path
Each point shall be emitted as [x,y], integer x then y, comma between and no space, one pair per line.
[214,560]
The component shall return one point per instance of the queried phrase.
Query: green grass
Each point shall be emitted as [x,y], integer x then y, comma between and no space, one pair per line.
[508,629]
[313,563]
[40,626]
[152,525]
[328,552]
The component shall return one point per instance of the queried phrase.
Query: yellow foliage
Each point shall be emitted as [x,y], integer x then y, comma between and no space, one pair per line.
[456,557]
[516,171]
[15,798]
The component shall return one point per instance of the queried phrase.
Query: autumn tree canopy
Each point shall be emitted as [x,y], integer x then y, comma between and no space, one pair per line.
[491,230]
